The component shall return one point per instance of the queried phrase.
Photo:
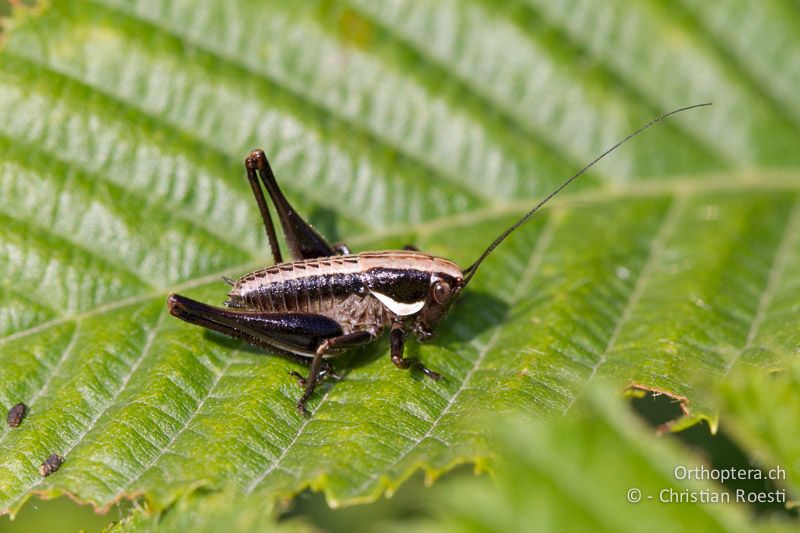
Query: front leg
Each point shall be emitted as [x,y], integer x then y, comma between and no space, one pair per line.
[397,342]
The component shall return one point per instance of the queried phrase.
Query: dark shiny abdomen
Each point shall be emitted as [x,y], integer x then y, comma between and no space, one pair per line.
[333,287]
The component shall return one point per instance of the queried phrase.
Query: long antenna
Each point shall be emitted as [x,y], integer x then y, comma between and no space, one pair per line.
[470,270]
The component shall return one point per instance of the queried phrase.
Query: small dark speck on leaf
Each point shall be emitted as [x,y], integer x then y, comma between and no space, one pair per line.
[52,464]
[16,414]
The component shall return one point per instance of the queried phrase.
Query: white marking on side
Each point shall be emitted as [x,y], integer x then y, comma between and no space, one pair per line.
[399,308]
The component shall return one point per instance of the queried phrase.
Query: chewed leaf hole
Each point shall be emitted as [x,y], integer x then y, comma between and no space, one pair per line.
[717,450]
[660,408]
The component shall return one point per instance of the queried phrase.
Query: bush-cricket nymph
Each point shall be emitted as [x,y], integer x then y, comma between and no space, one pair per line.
[326,299]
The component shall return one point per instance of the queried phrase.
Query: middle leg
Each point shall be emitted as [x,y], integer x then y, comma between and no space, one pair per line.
[321,368]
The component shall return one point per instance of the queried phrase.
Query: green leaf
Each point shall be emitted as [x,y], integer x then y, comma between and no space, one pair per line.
[576,473]
[763,415]
[219,511]
[550,480]
[122,130]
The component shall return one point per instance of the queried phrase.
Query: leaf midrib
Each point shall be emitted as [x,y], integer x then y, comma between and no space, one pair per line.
[532,264]
[784,179]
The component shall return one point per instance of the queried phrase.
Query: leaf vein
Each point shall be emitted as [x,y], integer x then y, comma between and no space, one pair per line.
[276,463]
[698,184]
[375,141]
[626,83]
[780,111]
[64,242]
[525,279]
[54,159]
[783,253]
[470,88]
[25,493]
[168,446]
[657,247]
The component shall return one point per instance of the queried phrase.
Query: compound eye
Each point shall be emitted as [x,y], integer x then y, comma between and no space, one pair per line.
[441,292]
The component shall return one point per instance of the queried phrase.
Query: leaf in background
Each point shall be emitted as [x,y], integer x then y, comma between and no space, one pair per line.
[550,480]
[763,414]
[218,511]
[122,130]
